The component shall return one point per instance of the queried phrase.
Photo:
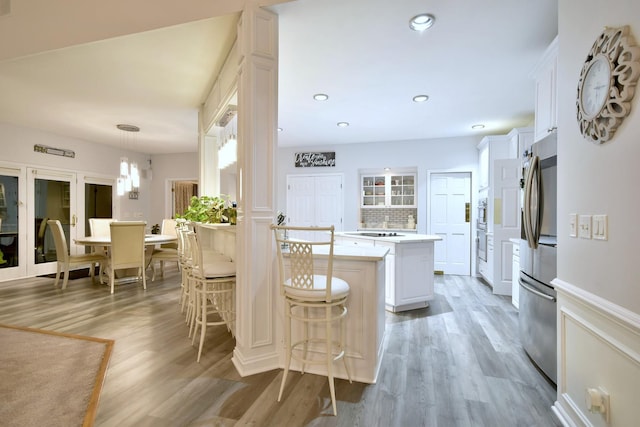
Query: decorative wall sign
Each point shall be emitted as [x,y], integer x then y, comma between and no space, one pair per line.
[38,148]
[310,160]
[607,83]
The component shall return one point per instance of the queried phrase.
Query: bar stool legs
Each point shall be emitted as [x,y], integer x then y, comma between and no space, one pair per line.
[330,345]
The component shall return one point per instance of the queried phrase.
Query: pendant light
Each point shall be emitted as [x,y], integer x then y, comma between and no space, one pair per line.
[129,179]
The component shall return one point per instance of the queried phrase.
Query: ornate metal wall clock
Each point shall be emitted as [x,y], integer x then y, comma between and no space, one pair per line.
[607,84]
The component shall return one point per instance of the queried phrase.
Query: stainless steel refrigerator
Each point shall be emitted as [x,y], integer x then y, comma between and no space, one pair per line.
[538,266]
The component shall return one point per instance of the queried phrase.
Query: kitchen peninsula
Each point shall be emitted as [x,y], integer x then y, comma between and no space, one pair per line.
[409,265]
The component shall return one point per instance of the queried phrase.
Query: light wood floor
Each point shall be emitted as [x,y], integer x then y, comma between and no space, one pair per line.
[457,363]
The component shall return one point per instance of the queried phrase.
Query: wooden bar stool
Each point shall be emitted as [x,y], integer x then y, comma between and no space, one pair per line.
[212,291]
[311,299]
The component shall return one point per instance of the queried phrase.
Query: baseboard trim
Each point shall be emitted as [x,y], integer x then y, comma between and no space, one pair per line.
[255,365]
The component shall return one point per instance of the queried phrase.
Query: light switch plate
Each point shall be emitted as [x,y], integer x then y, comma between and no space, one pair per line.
[573,225]
[600,228]
[584,226]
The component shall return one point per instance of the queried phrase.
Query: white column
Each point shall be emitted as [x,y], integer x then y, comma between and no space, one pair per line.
[256,343]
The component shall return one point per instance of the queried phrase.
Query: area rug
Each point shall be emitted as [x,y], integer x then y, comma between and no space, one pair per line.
[49,378]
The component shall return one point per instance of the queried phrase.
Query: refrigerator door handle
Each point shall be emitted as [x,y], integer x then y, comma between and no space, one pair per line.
[532,174]
[536,292]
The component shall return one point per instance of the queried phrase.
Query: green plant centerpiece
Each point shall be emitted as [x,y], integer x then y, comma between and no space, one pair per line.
[210,209]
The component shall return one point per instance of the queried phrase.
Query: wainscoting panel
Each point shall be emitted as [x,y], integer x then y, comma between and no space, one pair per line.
[598,348]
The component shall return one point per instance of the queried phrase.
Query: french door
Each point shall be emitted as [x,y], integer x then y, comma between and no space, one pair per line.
[13,229]
[29,197]
[52,195]
[314,201]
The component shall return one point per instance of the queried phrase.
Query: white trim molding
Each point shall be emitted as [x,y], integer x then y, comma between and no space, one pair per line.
[598,348]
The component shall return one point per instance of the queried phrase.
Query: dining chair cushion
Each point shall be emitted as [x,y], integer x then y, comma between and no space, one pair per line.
[219,269]
[169,252]
[214,256]
[339,289]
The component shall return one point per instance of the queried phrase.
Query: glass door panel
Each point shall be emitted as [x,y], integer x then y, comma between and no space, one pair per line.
[98,203]
[53,195]
[12,220]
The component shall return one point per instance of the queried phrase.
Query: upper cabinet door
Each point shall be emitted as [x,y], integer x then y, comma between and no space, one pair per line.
[380,191]
[545,75]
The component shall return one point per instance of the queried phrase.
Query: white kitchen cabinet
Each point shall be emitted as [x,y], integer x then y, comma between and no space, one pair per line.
[386,190]
[408,271]
[520,139]
[515,274]
[492,148]
[545,76]
[490,260]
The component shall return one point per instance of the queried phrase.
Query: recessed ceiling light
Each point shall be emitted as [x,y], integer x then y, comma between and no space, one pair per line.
[320,97]
[420,98]
[421,22]
[476,127]
[342,124]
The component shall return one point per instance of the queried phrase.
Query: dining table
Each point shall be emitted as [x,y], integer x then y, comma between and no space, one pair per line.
[150,241]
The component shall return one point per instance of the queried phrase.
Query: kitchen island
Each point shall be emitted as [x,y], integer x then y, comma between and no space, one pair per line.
[409,265]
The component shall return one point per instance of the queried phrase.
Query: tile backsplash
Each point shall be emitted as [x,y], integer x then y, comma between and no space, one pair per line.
[395,218]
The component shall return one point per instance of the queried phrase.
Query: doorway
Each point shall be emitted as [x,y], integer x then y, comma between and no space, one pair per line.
[182,192]
[450,218]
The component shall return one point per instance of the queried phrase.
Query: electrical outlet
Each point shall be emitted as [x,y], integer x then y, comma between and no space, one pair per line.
[584,226]
[573,225]
[600,227]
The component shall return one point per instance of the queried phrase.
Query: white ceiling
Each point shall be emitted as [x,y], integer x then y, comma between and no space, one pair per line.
[474,64]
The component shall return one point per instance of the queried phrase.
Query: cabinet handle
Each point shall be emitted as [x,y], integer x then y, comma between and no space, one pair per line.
[467,212]
[553,129]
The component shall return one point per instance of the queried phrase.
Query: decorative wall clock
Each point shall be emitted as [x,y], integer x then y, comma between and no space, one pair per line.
[607,84]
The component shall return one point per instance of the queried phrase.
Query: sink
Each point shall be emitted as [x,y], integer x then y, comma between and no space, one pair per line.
[375,234]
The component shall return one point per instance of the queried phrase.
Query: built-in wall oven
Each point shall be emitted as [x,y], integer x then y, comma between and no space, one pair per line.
[537,305]
[481,228]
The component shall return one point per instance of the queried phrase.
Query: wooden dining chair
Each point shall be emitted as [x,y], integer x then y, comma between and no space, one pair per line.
[127,249]
[167,251]
[99,227]
[65,260]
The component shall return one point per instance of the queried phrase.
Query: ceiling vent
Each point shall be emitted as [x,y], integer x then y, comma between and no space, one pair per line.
[227,116]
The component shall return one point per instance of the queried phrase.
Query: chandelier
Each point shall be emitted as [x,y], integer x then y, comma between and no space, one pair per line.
[129,179]
[228,152]
[228,147]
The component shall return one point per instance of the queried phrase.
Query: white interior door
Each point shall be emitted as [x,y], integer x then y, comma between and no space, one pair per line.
[506,220]
[328,201]
[315,201]
[450,208]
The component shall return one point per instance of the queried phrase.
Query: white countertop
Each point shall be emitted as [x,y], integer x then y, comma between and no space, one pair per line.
[396,229]
[400,238]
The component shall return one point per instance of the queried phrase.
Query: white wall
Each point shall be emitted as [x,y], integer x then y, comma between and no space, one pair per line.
[598,310]
[458,154]
[597,179]
[16,146]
